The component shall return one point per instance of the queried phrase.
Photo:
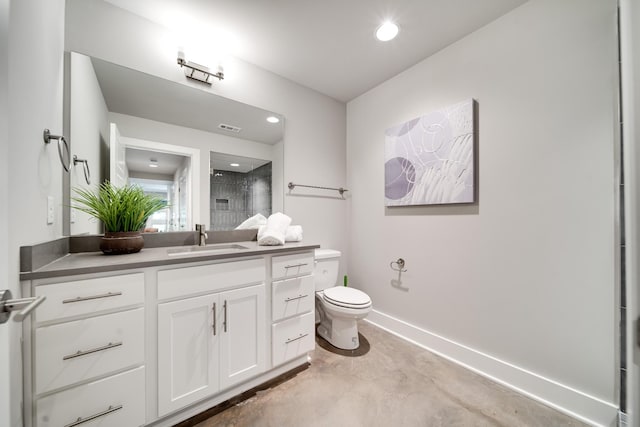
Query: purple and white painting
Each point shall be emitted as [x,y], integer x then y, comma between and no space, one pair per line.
[429,160]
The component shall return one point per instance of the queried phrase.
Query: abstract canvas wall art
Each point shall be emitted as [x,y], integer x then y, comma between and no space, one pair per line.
[430,160]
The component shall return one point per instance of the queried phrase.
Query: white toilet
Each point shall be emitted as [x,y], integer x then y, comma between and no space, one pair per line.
[338,307]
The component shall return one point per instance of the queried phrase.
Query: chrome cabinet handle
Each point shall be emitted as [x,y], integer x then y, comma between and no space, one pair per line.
[81,420]
[93,350]
[214,319]
[295,298]
[224,323]
[295,265]
[290,340]
[79,299]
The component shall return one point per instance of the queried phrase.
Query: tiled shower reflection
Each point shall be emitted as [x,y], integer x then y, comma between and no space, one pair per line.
[237,196]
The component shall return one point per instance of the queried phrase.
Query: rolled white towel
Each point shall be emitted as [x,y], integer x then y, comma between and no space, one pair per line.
[275,230]
[293,234]
[269,237]
[252,223]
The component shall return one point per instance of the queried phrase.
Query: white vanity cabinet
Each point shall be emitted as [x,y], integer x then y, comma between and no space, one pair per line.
[292,306]
[86,342]
[155,344]
[210,342]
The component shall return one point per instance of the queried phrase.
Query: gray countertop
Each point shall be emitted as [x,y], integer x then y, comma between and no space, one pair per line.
[97,262]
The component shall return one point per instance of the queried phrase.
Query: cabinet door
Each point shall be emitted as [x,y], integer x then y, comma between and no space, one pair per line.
[188,348]
[243,336]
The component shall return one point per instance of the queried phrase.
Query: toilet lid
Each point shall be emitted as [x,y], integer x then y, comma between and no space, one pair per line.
[347,297]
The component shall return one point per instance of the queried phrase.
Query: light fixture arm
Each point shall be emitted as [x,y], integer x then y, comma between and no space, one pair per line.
[199,69]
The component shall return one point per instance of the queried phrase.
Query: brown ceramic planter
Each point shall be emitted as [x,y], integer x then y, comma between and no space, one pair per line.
[121,242]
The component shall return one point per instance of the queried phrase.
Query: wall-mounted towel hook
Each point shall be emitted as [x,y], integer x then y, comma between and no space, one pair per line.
[85,164]
[62,143]
[400,264]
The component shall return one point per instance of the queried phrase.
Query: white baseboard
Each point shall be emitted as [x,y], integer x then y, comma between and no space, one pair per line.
[579,405]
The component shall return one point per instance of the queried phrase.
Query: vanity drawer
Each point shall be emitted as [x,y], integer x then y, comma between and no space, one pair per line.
[180,282]
[286,266]
[114,401]
[83,349]
[291,297]
[89,296]
[292,338]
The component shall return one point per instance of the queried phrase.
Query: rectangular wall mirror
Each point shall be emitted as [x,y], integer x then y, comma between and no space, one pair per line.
[170,138]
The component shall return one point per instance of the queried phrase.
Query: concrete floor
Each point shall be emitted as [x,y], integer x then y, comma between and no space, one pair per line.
[394,383]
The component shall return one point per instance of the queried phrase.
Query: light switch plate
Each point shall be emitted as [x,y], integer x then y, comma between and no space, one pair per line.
[50,210]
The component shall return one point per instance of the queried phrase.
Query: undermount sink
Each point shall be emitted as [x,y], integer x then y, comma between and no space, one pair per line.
[192,250]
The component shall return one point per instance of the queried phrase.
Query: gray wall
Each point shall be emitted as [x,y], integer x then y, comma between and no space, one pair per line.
[522,284]
[35,81]
[315,125]
[89,126]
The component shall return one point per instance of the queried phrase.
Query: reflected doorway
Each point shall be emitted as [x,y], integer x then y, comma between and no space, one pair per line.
[164,175]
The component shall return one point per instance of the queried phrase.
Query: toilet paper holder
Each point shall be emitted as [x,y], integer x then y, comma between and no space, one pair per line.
[399,263]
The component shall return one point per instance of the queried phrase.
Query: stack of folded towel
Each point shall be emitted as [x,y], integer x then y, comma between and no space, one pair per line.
[278,230]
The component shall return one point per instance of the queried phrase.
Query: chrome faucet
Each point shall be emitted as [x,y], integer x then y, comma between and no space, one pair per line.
[202,234]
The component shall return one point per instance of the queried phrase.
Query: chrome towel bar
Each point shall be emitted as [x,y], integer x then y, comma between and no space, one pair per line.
[339,190]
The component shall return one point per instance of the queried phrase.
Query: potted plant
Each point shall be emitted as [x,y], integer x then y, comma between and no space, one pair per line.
[123,211]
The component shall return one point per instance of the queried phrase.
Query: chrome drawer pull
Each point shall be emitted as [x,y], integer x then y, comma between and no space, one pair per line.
[79,299]
[290,340]
[81,420]
[214,319]
[295,265]
[224,323]
[295,298]
[93,350]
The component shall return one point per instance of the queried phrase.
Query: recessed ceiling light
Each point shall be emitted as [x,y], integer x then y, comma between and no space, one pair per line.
[153,163]
[235,165]
[387,31]
[273,119]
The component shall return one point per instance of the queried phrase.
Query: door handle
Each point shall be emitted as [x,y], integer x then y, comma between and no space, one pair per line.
[26,305]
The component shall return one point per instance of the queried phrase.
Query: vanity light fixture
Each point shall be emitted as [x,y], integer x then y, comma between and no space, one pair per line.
[153,163]
[198,72]
[387,31]
[273,119]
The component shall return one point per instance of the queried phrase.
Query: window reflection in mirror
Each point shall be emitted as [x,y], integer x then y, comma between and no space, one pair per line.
[240,187]
[164,175]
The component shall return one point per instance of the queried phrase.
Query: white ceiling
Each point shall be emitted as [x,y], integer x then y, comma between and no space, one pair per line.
[138,161]
[326,45]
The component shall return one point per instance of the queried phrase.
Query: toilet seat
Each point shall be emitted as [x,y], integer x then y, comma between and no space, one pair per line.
[346,297]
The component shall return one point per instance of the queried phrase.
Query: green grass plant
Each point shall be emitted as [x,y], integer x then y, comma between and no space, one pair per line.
[124,208]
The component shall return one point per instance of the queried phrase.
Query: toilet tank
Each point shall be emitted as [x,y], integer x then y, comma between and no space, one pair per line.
[326,268]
